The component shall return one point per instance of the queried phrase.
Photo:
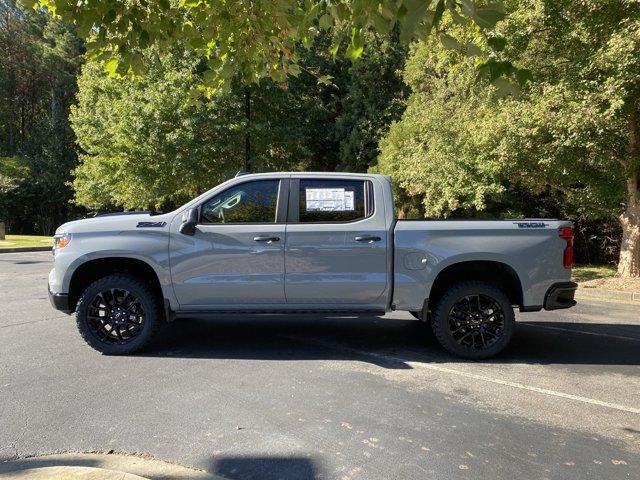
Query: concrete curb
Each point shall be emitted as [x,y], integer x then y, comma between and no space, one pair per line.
[98,466]
[70,473]
[25,249]
[608,295]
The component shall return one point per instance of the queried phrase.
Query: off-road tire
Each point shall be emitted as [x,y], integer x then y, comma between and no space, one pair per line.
[148,299]
[456,293]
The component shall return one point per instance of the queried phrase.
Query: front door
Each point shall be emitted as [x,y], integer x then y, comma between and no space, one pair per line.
[236,257]
[336,252]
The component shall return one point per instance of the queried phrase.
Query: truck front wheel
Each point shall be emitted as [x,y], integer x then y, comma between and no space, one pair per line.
[118,314]
[473,320]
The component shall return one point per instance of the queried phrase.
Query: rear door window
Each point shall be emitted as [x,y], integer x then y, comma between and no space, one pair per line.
[333,200]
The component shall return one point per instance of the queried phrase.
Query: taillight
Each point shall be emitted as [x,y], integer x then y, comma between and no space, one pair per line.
[567,234]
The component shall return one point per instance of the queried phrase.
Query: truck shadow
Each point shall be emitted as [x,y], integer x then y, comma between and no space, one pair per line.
[387,342]
[265,468]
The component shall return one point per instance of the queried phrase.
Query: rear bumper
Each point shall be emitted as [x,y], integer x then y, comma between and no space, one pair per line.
[60,301]
[560,295]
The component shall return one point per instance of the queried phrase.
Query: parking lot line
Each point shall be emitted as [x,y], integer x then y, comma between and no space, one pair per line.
[428,366]
[531,388]
[33,321]
[608,335]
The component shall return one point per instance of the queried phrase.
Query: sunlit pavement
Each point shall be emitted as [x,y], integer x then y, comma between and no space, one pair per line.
[316,397]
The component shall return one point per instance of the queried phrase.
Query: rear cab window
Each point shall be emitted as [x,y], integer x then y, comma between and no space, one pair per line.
[330,201]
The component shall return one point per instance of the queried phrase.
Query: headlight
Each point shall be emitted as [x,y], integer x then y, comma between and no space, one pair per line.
[61,241]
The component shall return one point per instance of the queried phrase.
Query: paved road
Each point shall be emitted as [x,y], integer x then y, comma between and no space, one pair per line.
[315,398]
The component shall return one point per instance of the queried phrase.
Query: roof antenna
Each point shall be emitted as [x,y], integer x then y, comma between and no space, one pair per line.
[241,172]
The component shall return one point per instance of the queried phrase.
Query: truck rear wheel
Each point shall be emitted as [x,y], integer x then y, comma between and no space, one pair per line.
[118,314]
[473,320]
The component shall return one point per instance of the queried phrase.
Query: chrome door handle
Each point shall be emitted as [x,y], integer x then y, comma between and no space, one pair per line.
[266,238]
[367,238]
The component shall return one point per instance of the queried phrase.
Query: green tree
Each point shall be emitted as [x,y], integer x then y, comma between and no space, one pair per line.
[13,170]
[572,134]
[371,97]
[39,57]
[441,150]
[257,38]
[144,145]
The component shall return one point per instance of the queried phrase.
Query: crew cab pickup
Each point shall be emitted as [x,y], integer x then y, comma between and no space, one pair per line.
[307,243]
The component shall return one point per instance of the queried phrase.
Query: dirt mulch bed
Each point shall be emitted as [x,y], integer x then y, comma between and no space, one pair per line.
[612,283]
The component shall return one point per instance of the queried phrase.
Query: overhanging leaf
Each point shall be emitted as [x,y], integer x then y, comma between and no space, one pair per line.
[326,21]
[356,47]
[111,66]
[487,17]
[497,43]
[523,76]
[437,16]
[450,43]
[505,87]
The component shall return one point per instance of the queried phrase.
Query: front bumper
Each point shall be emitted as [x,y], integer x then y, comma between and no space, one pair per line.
[560,295]
[60,301]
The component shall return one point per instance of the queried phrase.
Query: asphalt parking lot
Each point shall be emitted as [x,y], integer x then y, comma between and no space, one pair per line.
[325,398]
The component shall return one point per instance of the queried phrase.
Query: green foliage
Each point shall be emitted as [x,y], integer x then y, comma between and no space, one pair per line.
[39,58]
[142,143]
[572,130]
[441,149]
[146,145]
[462,151]
[256,39]
[584,273]
[13,170]
[373,97]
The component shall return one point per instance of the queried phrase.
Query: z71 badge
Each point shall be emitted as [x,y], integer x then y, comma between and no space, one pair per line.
[151,224]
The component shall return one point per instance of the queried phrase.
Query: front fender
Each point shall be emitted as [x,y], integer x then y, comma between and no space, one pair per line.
[150,247]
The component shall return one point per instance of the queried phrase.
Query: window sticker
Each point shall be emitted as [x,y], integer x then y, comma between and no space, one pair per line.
[348,201]
[329,200]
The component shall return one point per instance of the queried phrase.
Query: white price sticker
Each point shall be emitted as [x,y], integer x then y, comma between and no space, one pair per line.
[328,200]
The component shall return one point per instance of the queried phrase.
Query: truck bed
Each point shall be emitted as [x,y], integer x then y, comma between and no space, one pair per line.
[531,248]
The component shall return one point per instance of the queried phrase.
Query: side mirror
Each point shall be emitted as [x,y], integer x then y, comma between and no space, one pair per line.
[189,222]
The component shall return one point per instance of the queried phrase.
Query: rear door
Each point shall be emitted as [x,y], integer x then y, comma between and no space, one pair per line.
[336,248]
[236,256]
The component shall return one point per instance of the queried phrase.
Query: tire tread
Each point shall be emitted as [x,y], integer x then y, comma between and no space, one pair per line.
[154,316]
[440,318]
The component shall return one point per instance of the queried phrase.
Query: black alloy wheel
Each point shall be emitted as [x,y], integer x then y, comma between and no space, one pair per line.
[476,321]
[473,320]
[115,316]
[119,314]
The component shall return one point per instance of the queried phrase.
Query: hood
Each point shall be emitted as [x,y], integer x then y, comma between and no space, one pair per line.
[116,221]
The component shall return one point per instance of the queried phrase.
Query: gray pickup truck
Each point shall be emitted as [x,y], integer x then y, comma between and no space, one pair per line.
[307,243]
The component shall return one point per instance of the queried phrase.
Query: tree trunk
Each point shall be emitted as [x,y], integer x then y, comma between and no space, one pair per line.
[54,108]
[11,142]
[629,263]
[10,135]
